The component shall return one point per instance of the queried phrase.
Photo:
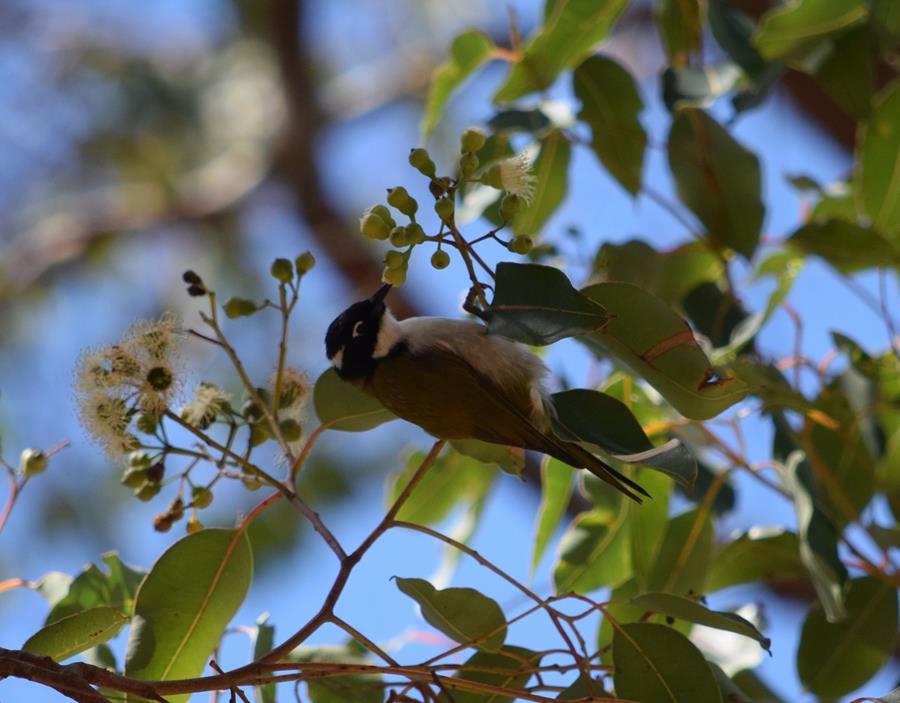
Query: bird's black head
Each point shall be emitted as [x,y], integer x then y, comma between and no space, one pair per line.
[351,339]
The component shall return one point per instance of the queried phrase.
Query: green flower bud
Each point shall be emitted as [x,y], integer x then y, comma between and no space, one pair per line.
[398,237]
[290,430]
[133,477]
[139,460]
[521,245]
[259,433]
[420,160]
[471,140]
[283,270]
[251,483]
[32,462]
[201,497]
[305,262]
[193,525]
[373,227]
[238,307]
[251,411]
[399,198]
[492,177]
[415,234]
[440,259]
[147,491]
[396,277]
[468,164]
[395,260]
[159,378]
[444,209]
[384,214]
[509,206]
[147,422]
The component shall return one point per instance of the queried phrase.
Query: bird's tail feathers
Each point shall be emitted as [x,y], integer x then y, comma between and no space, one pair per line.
[582,458]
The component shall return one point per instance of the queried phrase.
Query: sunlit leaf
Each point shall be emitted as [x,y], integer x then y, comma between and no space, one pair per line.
[684,555]
[92,587]
[351,688]
[263,638]
[342,406]
[680,26]
[551,171]
[878,153]
[556,491]
[510,668]
[594,553]
[647,526]
[790,28]
[847,246]
[757,555]
[75,633]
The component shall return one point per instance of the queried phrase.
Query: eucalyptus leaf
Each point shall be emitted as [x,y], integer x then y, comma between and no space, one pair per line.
[556,492]
[93,587]
[791,28]
[342,406]
[878,153]
[684,555]
[75,633]
[263,638]
[847,246]
[351,688]
[680,26]
[760,554]
[509,668]
[550,170]
[594,552]
[647,526]
[733,29]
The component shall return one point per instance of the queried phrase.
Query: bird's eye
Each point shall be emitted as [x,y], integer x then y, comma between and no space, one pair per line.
[357,329]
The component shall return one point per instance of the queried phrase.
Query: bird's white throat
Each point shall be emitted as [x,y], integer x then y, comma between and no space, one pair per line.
[389,333]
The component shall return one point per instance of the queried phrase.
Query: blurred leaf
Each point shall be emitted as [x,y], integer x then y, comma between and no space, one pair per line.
[718,179]
[728,688]
[646,335]
[263,637]
[725,499]
[571,29]
[886,15]
[510,459]
[53,586]
[885,537]
[698,87]
[620,609]
[787,29]
[836,658]
[100,655]
[784,266]
[352,688]
[760,554]
[647,526]
[684,555]
[715,313]
[582,415]
[180,613]
[342,406]
[848,72]
[537,305]
[463,614]
[75,633]
[733,29]
[594,553]
[610,105]
[584,687]
[680,26]
[656,663]
[846,246]
[754,687]
[695,612]
[530,121]
[556,492]
[803,181]
[501,669]
[468,51]
[767,382]
[93,588]
[551,172]
[878,153]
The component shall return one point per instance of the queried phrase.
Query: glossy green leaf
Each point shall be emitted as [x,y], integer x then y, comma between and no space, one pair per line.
[556,492]
[657,663]
[698,87]
[652,340]
[583,415]
[538,305]
[610,105]
[718,179]
[93,587]
[468,52]
[878,155]
[647,525]
[733,29]
[509,668]
[680,26]
[847,246]
[848,72]
[351,688]
[793,27]
[342,406]
[75,633]
[571,29]
[594,553]
[463,614]
[180,613]
[836,658]
[684,555]
[760,554]
[551,183]
[510,459]
[263,637]
[695,612]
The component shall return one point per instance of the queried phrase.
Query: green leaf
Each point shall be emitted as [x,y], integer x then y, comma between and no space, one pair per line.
[753,686]
[610,105]
[594,552]
[886,15]
[571,29]
[463,614]
[349,688]
[718,179]
[516,120]
[716,314]
[836,658]
[510,459]
[263,636]
[538,305]
[656,663]
[794,27]
[680,26]
[733,30]
[92,587]
[698,87]
[583,415]
[509,668]
[848,72]
[100,655]
[878,156]
[75,633]
[848,247]
[695,612]
[728,688]
[647,526]
[653,341]
[181,612]
[551,172]
[767,555]
[468,52]
[344,407]
[684,555]
[584,687]
[556,483]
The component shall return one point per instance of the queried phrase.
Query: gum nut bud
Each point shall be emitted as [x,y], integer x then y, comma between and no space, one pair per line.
[521,245]
[251,483]
[394,259]
[259,433]
[146,491]
[468,164]
[384,214]
[492,177]
[193,525]
[440,259]
[251,411]
[283,270]
[400,198]
[471,140]
[191,278]
[147,423]
[176,509]
[201,497]
[509,206]
[159,378]
[305,262]
[264,396]
[290,430]
[32,462]
[396,277]
[139,460]
[156,472]
[444,209]
[238,307]
[162,522]
[196,291]
[373,227]
[414,233]
[420,160]
[398,237]
[133,478]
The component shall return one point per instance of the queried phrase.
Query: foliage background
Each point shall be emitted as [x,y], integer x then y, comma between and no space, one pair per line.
[217,135]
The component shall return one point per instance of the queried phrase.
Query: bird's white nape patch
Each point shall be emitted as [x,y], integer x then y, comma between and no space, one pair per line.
[389,333]
[338,358]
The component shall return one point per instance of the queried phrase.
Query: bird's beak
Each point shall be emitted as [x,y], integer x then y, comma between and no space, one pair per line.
[381,293]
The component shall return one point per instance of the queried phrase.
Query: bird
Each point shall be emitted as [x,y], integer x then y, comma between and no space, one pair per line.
[455,381]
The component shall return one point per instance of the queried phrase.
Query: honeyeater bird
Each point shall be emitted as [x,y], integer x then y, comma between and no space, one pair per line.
[455,381]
